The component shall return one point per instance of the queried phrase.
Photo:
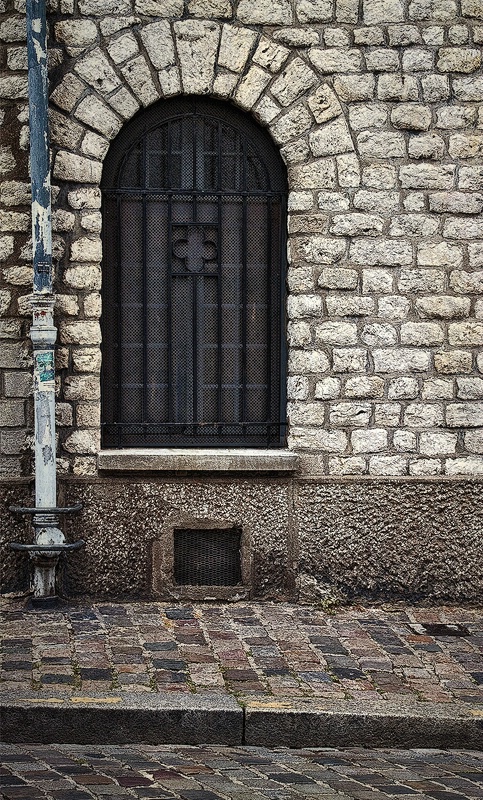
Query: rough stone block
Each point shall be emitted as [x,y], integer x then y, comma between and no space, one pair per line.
[403,388]
[377,11]
[18,384]
[265,12]
[373,440]
[394,307]
[336,333]
[331,139]
[474,441]
[338,278]
[294,81]
[387,414]
[411,116]
[404,441]
[308,362]
[379,281]
[318,249]
[304,305]
[443,307]
[437,389]
[71,167]
[324,104]
[397,88]
[387,465]
[297,387]
[466,282]
[364,386]
[435,88]
[382,59]
[320,174]
[327,389]
[316,439]
[306,414]
[422,280]
[469,89]
[138,75]
[469,388]
[334,59]
[12,413]
[401,360]
[350,414]
[251,87]
[349,359]
[452,362]
[308,11]
[381,144]
[465,334]
[464,415]
[80,332]
[381,251]
[349,306]
[458,59]
[82,387]
[420,225]
[159,45]
[423,415]
[235,46]
[354,88]
[427,176]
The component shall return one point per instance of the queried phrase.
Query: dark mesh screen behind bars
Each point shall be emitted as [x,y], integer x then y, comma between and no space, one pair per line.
[207,557]
[194,238]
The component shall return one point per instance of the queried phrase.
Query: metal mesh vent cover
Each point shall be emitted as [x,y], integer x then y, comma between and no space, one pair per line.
[207,557]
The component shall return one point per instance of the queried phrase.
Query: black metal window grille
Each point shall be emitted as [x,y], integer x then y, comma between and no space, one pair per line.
[207,557]
[194,220]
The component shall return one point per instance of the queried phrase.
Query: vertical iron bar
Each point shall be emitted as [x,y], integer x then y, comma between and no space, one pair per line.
[244,293]
[169,270]
[145,315]
[195,288]
[282,320]
[219,283]
[119,354]
[268,328]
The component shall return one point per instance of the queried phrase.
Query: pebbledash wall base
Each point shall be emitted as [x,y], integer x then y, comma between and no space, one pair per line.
[319,540]
[376,108]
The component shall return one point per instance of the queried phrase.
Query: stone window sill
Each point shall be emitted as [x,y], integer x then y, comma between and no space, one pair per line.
[203,460]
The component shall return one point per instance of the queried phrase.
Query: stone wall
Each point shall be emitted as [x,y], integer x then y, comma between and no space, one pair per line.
[377,109]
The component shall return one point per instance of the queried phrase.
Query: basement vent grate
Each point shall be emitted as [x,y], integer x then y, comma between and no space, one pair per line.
[207,557]
[440,629]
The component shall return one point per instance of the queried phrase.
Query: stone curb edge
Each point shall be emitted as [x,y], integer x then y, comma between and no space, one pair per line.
[222,721]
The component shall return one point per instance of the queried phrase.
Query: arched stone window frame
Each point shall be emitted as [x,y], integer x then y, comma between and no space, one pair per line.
[286,93]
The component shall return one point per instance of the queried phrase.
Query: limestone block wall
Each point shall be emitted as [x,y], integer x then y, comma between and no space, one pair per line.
[377,108]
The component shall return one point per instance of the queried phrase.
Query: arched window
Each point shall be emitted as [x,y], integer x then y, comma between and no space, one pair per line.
[194,221]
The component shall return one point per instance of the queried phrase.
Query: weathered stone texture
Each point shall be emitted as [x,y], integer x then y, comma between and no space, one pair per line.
[376,108]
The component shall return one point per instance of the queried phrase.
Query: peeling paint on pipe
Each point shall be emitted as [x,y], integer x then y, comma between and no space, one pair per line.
[39,144]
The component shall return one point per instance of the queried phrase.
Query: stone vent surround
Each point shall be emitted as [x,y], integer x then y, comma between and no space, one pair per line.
[378,114]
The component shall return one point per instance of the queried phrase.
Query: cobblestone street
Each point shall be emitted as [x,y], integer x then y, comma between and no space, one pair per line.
[281,652]
[70,772]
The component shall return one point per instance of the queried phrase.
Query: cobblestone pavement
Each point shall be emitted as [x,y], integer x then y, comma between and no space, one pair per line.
[281,651]
[74,772]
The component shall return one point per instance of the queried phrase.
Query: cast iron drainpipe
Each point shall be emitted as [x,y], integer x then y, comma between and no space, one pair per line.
[49,541]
